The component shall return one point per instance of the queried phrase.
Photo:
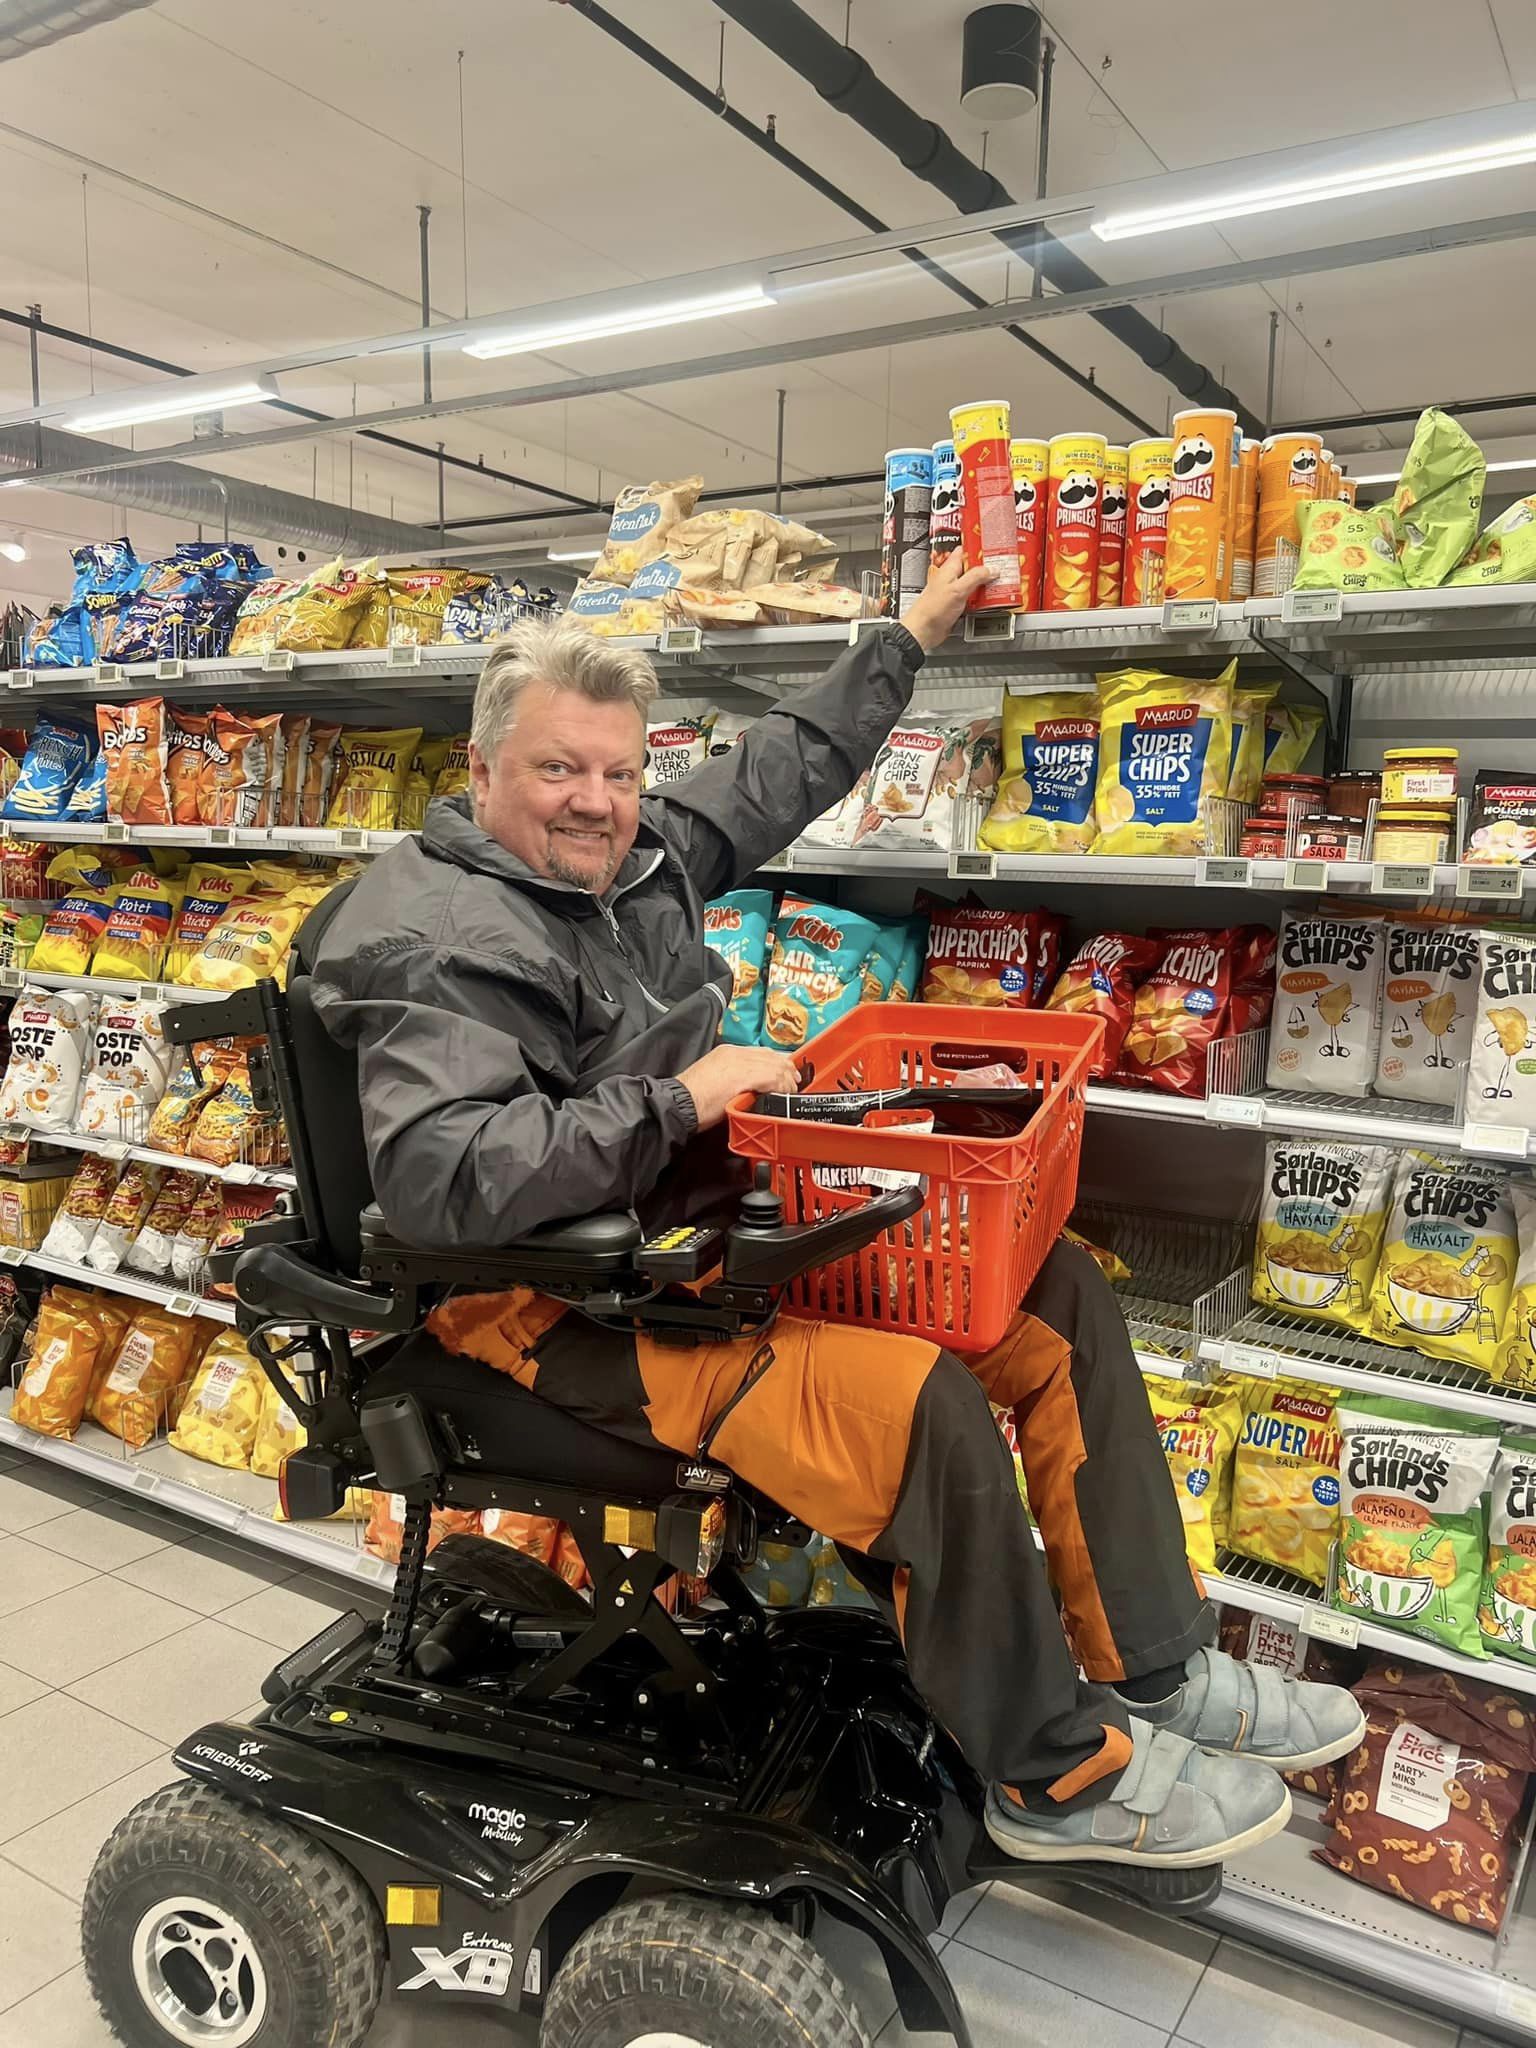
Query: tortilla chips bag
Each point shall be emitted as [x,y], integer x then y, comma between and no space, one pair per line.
[186,735]
[1447,1267]
[1165,746]
[1044,802]
[453,776]
[1198,1425]
[222,1411]
[374,768]
[322,767]
[1413,1537]
[1289,731]
[416,793]
[75,1328]
[1285,1482]
[1322,1214]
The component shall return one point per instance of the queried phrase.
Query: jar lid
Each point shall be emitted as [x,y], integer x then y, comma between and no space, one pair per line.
[1372,775]
[1295,782]
[1415,814]
[1421,754]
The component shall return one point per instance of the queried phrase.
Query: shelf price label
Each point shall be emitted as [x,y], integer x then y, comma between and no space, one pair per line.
[15,1134]
[114,830]
[110,673]
[1331,1627]
[780,863]
[1189,614]
[1311,607]
[351,838]
[404,655]
[1474,880]
[1496,1141]
[681,640]
[221,835]
[11,977]
[182,1304]
[1253,1361]
[169,669]
[277,661]
[22,679]
[1397,878]
[241,1173]
[1213,872]
[973,867]
[1235,1109]
[113,1148]
[12,1255]
[991,625]
[1515,2002]
[1307,874]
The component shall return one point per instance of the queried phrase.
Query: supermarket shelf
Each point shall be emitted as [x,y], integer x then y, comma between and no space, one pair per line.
[14,979]
[1368,1119]
[270,838]
[237,1171]
[177,1299]
[240,1504]
[1476,626]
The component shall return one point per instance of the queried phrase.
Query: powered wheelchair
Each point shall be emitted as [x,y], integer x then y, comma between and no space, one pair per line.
[601,1821]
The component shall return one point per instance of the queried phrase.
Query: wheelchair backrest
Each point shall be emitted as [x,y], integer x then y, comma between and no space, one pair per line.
[331,1128]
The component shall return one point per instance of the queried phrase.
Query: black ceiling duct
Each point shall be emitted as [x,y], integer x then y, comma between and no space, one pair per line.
[1000,64]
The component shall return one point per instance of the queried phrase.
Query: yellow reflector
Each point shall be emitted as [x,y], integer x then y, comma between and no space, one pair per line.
[339,1716]
[414,1905]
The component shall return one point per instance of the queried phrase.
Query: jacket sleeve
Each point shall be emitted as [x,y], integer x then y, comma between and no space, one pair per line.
[742,807]
[490,1160]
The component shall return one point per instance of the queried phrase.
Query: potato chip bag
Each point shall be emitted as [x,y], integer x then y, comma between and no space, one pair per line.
[137,933]
[226,1128]
[150,1251]
[1428,1008]
[738,927]
[130,1065]
[1179,1011]
[50,1038]
[907,981]
[1345,547]
[318,617]
[322,767]
[882,962]
[74,1329]
[130,1400]
[1101,980]
[78,919]
[1253,977]
[1322,1213]
[925,767]
[1289,730]
[251,940]
[1165,746]
[186,735]
[979,956]
[416,794]
[1250,711]
[1412,1540]
[406,607]
[1327,1018]
[209,891]
[1447,1266]
[279,1433]
[386,1525]
[1505,550]
[255,629]
[134,747]
[295,738]
[192,1083]
[674,747]
[643,516]
[196,1237]
[612,612]
[372,776]
[132,1200]
[1044,802]
[1198,1425]
[58,754]
[1439,497]
[1285,1477]
[1501,1068]
[815,972]
[78,1216]
[222,1411]
[1506,1614]
[453,776]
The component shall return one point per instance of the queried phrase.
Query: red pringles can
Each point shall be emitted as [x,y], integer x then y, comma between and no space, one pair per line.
[1111,568]
[1028,461]
[1074,484]
[988,527]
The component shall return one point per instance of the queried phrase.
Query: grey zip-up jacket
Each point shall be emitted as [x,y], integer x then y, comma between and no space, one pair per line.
[518,1039]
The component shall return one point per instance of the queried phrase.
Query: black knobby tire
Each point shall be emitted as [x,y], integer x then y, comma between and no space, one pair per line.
[681,1965]
[309,1916]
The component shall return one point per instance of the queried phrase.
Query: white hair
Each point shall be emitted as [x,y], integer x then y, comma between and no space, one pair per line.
[564,655]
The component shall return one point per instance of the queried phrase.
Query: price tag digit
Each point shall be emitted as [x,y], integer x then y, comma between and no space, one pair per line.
[1307,874]
[405,656]
[1395,878]
[153,992]
[1189,614]
[1502,882]
[1329,1627]
[1235,1109]
[278,661]
[1214,873]
[1253,1361]
[681,640]
[1311,607]
[973,867]
[1496,1141]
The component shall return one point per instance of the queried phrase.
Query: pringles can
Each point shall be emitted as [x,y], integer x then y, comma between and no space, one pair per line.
[904,536]
[1288,477]
[1029,461]
[1146,528]
[1073,485]
[944,512]
[988,533]
[1112,500]
[1346,490]
[1327,477]
[1200,495]
[1240,531]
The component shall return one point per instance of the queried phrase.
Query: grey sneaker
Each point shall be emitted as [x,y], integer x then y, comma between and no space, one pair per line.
[1252,1710]
[1173,1807]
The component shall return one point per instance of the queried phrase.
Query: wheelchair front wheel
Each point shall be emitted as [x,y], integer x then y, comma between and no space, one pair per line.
[207,1924]
[676,1971]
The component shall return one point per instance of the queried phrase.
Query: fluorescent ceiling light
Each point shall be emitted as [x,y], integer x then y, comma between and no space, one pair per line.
[1391,476]
[172,402]
[13,550]
[600,326]
[1339,184]
[574,554]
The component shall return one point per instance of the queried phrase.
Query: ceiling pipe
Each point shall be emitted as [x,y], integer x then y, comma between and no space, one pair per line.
[1400,416]
[33,24]
[847,83]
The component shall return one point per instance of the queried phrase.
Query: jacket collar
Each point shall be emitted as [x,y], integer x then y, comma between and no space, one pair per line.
[449,832]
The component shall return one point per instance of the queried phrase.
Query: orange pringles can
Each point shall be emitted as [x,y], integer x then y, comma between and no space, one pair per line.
[1029,461]
[1288,477]
[1346,491]
[988,531]
[1327,477]
[1108,578]
[1146,529]
[1200,493]
[1073,485]
[1243,523]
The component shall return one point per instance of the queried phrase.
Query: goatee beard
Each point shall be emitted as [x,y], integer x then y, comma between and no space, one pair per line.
[561,870]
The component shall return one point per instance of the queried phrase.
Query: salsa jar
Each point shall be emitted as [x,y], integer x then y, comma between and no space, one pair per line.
[1419,775]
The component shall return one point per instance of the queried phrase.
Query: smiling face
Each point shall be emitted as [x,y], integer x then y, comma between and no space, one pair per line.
[562,789]
[1193,456]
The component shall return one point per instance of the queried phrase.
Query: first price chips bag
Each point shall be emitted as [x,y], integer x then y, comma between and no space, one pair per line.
[1321,1219]
[222,1411]
[1165,748]
[1411,1544]
[1285,1481]
[74,1328]
[1199,1426]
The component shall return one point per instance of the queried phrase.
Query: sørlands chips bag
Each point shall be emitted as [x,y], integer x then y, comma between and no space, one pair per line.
[1447,1266]
[1044,802]
[374,767]
[1285,1481]
[1411,1544]
[1321,1219]
[1198,1425]
[1327,1020]
[1428,1004]
[1506,1614]
[1514,1362]
[1501,1071]
[1165,745]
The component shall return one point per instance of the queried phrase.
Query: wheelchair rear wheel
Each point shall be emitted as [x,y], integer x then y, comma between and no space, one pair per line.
[676,1971]
[207,1922]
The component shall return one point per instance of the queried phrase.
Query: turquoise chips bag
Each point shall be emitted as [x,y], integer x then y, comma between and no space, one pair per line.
[739,928]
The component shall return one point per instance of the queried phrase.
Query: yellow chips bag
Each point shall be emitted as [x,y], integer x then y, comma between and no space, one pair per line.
[1289,730]
[78,919]
[374,765]
[1447,1267]
[1514,1361]
[1321,1217]
[1199,1425]
[222,1411]
[1249,710]
[74,1328]
[1285,1479]
[421,777]
[131,1400]
[278,1432]
[138,928]
[251,939]
[1165,746]
[1044,802]
[453,776]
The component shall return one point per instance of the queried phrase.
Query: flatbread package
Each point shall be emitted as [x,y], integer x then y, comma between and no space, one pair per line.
[1447,1267]
[1327,1021]
[1285,1479]
[1413,1534]
[1506,1614]
[739,928]
[1428,1006]
[1045,799]
[1501,1068]
[1322,1214]
[643,516]
[1198,1426]
[815,973]
[1165,747]
[50,1042]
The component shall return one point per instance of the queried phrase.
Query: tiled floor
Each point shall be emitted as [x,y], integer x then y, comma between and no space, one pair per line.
[121,1628]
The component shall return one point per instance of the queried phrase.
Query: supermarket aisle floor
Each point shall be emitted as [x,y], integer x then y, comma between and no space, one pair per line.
[121,1628]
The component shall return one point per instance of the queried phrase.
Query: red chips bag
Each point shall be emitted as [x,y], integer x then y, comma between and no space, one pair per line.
[1180,1008]
[1253,978]
[979,957]
[1101,981]
[1046,931]
[133,738]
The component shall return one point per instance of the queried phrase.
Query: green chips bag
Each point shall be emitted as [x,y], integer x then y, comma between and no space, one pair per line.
[1412,1536]
[1344,547]
[1507,1615]
[1505,550]
[1438,500]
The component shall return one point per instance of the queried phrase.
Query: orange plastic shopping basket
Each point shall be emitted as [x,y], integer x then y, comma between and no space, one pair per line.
[957,1270]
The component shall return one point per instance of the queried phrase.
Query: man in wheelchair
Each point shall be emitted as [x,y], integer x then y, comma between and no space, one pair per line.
[534,1013]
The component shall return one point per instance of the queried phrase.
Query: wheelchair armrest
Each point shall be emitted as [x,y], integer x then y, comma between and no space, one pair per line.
[281,1282]
[282,1227]
[244,1014]
[589,1251]
[771,1256]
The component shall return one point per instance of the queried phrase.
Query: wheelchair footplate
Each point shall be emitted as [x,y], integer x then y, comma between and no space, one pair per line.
[1175,1892]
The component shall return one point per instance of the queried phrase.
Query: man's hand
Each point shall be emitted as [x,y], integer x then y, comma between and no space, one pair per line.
[731,1070]
[932,616]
